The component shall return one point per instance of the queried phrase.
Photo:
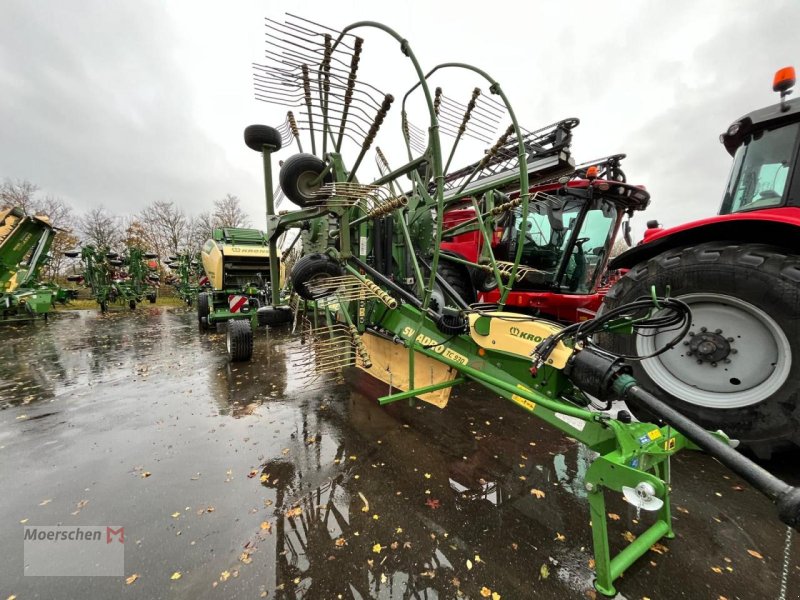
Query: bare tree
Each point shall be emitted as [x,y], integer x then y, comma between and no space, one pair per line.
[201,228]
[618,248]
[228,212]
[166,227]
[99,228]
[18,193]
[60,216]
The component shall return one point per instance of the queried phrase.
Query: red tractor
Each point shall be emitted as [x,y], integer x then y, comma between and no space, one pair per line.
[571,228]
[738,368]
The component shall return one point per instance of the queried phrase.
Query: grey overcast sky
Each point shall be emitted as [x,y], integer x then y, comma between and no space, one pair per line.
[122,103]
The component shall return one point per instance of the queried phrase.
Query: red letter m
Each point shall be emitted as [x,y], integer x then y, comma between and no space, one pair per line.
[112,532]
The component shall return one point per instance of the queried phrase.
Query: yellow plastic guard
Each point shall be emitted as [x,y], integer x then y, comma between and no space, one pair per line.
[390,365]
[515,336]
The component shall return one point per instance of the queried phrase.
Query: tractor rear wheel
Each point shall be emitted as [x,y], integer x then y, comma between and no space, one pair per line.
[240,340]
[203,311]
[456,277]
[738,367]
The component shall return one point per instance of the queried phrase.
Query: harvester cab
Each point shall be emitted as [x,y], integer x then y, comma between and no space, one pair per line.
[571,226]
[738,367]
[24,245]
[237,264]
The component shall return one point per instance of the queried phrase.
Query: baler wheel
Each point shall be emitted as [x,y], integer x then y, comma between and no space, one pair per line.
[240,340]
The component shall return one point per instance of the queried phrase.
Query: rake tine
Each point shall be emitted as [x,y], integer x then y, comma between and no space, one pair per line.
[351,81]
[376,125]
[295,129]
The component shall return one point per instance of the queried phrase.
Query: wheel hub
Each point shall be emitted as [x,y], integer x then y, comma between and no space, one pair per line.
[709,347]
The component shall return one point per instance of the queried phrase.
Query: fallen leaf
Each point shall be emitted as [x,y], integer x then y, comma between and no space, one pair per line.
[285,451]
[478,558]
[264,478]
[683,510]
[210,509]
[433,503]
[175,515]
[340,541]
[399,530]
[294,512]
[252,473]
[394,545]
[266,525]
[659,548]
[716,569]
[523,478]
[375,517]
[486,592]
[43,502]
[560,537]
[224,576]
[591,563]
[495,596]
[544,572]
[755,554]
[469,565]
[176,575]
[23,521]
[146,474]
[427,475]
[364,508]
[377,548]
[537,493]
[613,516]
[629,537]
[131,579]
[245,558]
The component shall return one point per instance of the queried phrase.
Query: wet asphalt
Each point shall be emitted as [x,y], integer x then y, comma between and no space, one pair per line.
[251,483]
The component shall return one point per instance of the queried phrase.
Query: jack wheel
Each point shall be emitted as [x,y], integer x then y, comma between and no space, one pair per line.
[203,311]
[299,177]
[309,274]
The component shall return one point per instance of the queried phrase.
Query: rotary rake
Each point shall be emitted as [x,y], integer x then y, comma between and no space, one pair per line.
[374,290]
[187,276]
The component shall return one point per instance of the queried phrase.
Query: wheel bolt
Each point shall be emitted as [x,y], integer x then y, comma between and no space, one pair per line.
[699,362]
[689,353]
[734,351]
[691,334]
[727,361]
[685,343]
[713,364]
[718,331]
[729,339]
[703,329]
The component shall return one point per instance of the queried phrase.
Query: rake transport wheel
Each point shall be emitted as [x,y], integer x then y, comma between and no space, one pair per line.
[203,310]
[299,178]
[258,136]
[311,269]
[456,277]
[738,367]
[240,340]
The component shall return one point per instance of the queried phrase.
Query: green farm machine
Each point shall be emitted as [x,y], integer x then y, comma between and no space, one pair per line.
[186,275]
[373,289]
[24,245]
[127,279]
[244,272]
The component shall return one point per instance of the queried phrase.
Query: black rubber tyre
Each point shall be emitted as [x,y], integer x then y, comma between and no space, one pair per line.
[203,310]
[72,254]
[150,255]
[311,268]
[457,278]
[104,306]
[132,304]
[274,315]
[258,136]
[115,262]
[152,298]
[296,177]
[74,277]
[721,278]
[240,340]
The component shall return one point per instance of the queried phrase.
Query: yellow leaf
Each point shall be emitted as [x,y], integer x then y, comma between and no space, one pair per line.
[522,478]
[477,558]
[266,525]
[339,542]
[427,475]
[591,563]
[245,558]
[755,554]
[43,502]
[294,512]
[659,548]
[613,516]
[377,548]
[560,537]
[175,515]
[146,474]
[224,576]
[716,569]
[23,521]
[285,451]
[352,457]
[469,565]
[486,592]
[544,572]
[376,517]
[129,580]
[629,537]
[176,575]
[399,530]
[537,493]
[264,478]
[495,596]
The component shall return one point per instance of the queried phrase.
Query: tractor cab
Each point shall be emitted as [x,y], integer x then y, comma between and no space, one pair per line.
[568,234]
[764,145]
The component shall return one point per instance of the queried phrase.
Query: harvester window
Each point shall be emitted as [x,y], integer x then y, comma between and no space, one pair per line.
[761,170]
